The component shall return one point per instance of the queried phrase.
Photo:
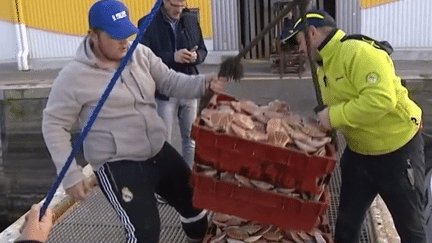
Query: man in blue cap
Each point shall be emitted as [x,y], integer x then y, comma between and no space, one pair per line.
[126,146]
[366,101]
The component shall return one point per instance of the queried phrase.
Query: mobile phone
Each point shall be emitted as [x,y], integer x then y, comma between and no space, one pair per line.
[194,49]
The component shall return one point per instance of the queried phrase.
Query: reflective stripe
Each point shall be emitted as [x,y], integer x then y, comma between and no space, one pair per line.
[308,16]
[193,219]
[124,218]
[314,15]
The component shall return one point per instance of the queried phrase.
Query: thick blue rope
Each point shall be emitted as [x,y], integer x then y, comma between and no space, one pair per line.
[97,109]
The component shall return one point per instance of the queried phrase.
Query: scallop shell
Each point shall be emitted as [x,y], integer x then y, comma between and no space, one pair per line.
[204,167]
[219,238]
[295,237]
[252,239]
[236,233]
[273,235]
[297,134]
[236,106]
[259,116]
[266,228]
[304,146]
[285,190]
[210,173]
[243,180]
[227,108]
[256,135]
[226,176]
[292,120]
[278,138]
[221,217]
[262,185]
[286,241]
[207,113]
[321,152]
[305,236]
[262,240]
[274,124]
[229,240]
[221,118]
[249,106]
[251,228]
[318,236]
[235,221]
[278,106]
[243,121]
[312,128]
[207,122]
[238,131]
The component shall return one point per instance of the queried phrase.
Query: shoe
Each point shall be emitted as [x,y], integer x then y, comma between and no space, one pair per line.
[160,199]
[190,240]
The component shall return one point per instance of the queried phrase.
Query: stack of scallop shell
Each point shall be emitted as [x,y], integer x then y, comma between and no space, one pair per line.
[256,184]
[272,124]
[231,229]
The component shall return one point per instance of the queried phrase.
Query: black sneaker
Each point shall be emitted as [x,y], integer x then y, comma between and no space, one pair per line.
[160,199]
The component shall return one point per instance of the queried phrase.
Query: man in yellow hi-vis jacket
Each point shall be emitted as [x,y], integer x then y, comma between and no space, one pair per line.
[365,100]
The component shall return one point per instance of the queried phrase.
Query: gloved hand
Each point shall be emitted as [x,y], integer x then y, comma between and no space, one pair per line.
[323,118]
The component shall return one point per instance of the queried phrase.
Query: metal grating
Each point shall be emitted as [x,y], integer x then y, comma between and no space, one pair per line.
[95,221]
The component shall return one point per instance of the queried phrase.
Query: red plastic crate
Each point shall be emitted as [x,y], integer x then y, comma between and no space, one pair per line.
[285,167]
[256,205]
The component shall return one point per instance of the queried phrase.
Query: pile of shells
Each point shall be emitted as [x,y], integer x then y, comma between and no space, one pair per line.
[256,184]
[231,229]
[272,124]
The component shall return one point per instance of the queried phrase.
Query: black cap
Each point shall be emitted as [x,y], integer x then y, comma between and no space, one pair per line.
[316,18]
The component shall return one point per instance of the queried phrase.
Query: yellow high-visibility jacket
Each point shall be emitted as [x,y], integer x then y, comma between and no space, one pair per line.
[366,99]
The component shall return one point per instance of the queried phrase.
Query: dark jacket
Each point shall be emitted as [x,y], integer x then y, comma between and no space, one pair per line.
[160,38]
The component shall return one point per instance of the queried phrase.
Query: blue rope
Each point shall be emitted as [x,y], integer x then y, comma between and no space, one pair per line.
[97,109]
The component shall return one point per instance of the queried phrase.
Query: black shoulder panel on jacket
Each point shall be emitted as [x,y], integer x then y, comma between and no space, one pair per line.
[383,45]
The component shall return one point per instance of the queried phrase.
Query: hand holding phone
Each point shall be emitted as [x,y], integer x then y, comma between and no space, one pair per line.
[194,49]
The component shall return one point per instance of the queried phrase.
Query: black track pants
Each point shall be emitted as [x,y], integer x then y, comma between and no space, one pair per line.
[130,187]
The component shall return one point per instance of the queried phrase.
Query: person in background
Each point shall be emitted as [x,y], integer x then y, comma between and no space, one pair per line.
[127,145]
[33,230]
[287,25]
[365,100]
[175,36]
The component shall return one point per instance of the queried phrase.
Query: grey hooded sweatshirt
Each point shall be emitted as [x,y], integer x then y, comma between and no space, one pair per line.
[128,126]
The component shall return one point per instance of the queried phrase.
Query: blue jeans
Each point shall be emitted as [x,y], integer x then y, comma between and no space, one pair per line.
[186,112]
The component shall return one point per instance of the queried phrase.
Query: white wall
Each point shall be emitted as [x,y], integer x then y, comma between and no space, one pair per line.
[406,24]
[45,44]
[8,41]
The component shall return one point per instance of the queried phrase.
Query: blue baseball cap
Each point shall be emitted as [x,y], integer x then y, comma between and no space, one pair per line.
[316,18]
[112,17]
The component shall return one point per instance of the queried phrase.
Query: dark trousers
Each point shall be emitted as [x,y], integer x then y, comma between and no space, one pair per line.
[130,187]
[399,179]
